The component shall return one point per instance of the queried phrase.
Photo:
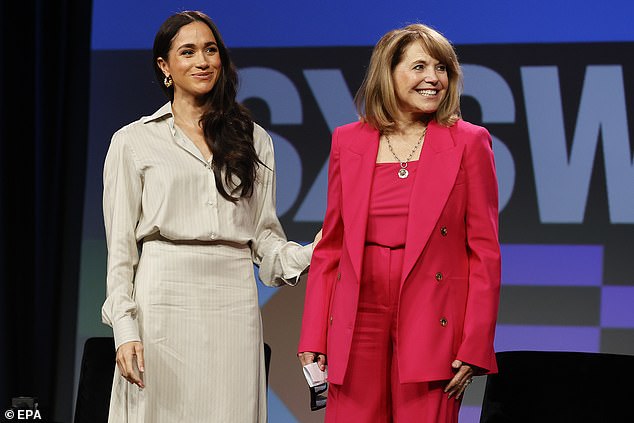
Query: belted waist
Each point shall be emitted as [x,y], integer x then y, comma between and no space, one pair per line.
[158,237]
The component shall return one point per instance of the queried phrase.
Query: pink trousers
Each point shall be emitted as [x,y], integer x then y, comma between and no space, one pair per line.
[372,392]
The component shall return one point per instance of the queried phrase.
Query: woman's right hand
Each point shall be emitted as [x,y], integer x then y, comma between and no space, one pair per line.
[311,357]
[131,362]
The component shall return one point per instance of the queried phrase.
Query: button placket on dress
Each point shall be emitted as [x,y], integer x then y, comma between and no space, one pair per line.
[212,199]
[210,194]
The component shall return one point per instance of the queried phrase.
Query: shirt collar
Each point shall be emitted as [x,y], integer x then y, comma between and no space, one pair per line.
[165,112]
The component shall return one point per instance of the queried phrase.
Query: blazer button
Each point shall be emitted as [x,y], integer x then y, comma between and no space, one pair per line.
[331,320]
[438,276]
[443,231]
[338,276]
[443,322]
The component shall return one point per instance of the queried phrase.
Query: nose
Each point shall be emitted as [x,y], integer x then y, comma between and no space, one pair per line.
[203,61]
[431,77]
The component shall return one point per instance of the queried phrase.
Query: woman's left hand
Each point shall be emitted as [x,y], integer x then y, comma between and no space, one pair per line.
[458,384]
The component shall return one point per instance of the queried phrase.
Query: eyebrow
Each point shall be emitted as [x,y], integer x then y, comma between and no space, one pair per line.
[191,45]
[425,62]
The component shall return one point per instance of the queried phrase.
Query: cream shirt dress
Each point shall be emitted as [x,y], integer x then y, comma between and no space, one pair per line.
[181,278]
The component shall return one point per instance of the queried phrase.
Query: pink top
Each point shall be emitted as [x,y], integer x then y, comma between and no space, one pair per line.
[389,205]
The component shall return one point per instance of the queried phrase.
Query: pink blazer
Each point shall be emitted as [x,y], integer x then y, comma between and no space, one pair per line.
[451,272]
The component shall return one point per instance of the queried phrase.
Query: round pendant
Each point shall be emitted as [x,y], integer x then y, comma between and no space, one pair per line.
[403,173]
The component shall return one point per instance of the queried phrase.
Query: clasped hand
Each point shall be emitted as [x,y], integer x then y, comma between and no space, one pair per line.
[312,357]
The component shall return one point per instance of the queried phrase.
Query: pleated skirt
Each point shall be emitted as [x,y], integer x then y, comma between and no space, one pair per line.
[201,329]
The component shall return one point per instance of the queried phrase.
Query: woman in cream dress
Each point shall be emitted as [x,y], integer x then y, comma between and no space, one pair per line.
[189,206]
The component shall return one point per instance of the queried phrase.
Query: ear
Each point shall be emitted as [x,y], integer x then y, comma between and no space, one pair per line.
[162,64]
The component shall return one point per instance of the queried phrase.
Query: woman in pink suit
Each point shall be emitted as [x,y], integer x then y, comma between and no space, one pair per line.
[403,289]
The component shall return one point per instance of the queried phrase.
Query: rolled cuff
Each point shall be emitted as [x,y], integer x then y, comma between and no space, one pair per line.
[288,264]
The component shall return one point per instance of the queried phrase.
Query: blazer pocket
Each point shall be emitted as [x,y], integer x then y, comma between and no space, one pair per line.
[332,298]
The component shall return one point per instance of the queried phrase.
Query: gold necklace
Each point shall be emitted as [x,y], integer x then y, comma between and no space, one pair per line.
[403,172]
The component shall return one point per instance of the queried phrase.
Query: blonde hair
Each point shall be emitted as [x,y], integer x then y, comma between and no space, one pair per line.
[376,98]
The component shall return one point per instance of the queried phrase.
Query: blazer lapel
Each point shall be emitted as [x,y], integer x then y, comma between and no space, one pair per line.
[357,170]
[437,170]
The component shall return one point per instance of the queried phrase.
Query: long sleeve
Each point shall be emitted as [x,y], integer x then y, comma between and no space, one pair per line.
[121,208]
[280,261]
[484,254]
[324,264]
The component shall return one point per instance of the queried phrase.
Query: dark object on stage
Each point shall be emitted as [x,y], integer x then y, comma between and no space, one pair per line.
[95,380]
[549,386]
[24,403]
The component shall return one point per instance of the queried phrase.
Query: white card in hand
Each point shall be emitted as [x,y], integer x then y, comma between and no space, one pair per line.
[314,375]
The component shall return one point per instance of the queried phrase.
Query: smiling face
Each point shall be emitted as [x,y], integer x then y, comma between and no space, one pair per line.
[193,61]
[420,83]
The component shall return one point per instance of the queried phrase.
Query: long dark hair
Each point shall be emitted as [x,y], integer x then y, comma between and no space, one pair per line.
[227,125]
